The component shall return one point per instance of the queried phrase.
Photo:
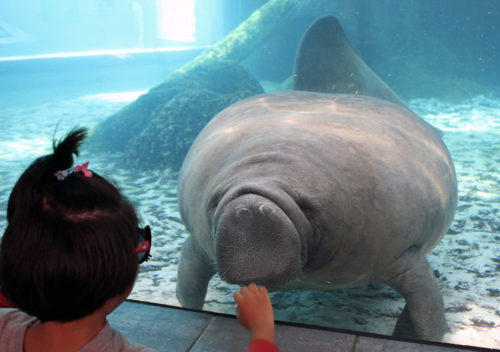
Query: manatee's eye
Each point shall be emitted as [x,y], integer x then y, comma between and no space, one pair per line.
[305,205]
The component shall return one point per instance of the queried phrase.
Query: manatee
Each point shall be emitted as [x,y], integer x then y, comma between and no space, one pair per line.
[319,191]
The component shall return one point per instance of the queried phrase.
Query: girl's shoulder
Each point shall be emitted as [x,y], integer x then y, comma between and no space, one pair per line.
[13,326]
[14,317]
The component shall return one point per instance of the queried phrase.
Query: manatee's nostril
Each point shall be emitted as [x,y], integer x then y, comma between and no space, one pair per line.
[265,209]
[244,212]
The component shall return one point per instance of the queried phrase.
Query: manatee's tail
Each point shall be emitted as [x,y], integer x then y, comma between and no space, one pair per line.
[327,63]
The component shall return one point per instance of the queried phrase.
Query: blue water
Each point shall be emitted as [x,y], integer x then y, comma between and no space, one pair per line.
[468,260]
[441,57]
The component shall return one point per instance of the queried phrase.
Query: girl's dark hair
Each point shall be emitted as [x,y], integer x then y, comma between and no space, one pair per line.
[69,245]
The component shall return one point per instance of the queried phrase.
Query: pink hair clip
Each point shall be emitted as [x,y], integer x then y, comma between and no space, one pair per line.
[84,169]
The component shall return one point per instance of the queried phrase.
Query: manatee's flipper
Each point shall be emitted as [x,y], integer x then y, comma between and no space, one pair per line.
[327,63]
[193,274]
[423,315]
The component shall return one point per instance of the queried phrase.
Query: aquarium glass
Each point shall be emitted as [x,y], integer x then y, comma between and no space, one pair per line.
[124,69]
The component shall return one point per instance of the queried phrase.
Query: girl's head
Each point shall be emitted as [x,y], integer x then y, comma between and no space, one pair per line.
[70,242]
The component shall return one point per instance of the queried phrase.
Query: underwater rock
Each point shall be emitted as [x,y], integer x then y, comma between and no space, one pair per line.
[481,323]
[173,127]
[157,130]
[458,309]
[493,292]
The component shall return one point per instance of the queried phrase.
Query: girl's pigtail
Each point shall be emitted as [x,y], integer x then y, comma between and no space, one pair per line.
[64,149]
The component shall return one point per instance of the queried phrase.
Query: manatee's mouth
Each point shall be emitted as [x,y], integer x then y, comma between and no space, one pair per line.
[256,242]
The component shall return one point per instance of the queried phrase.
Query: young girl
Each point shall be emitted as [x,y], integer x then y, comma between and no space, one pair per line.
[68,257]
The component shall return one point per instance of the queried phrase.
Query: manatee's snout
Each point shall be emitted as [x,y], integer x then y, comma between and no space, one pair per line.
[256,242]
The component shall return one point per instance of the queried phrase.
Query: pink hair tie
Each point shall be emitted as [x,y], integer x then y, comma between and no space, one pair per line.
[84,169]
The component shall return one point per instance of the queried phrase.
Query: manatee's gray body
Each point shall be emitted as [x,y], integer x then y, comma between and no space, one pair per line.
[318,191]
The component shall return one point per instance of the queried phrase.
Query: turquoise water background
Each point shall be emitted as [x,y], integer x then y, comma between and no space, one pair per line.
[468,258]
[443,58]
